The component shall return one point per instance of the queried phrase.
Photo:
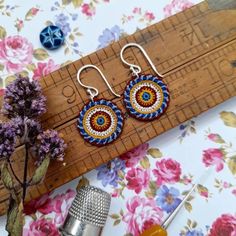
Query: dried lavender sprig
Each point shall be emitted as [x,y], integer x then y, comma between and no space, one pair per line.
[23,102]
[7,140]
[50,143]
[27,129]
[23,98]
[7,143]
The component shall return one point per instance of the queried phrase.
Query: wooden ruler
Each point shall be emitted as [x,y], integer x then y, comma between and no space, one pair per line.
[196,52]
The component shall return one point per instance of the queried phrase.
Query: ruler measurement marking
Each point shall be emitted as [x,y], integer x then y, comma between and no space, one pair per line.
[139,38]
[99,161]
[123,143]
[94,59]
[151,133]
[231,89]
[114,52]
[225,94]
[172,23]
[188,14]
[90,59]
[191,49]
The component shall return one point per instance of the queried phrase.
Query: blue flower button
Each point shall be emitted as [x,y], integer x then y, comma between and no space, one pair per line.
[52,37]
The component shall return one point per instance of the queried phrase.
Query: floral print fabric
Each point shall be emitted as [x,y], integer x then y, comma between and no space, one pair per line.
[148,182]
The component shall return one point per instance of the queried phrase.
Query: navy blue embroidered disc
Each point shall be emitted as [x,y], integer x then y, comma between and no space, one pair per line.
[146,97]
[52,37]
[100,122]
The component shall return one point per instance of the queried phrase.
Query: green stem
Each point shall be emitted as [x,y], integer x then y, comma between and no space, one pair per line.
[13,172]
[25,184]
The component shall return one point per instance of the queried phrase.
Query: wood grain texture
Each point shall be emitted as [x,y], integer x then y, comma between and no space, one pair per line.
[195,50]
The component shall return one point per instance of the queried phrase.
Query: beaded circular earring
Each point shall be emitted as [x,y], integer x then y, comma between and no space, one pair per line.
[146,97]
[100,121]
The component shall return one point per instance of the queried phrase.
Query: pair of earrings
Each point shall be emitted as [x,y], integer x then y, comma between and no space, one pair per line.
[146,97]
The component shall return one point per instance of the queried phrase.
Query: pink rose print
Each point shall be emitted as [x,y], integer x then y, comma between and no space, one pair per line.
[213,156]
[142,213]
[226,184]
[88,9]
[186,180]
[204,194]
[58,200]
[168,171]
[44,69]
[177,6]
[234,192]
[137,179]
[61,204]
[225,225]
[135,155]
[19,24]
[116,193]
[149,16]
[41,227]
[215,138]
[212,137]
[34,11]
[15,53]
[41,204]
[137,10]
[1,92]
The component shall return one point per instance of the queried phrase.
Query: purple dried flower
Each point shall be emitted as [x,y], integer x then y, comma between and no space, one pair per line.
[23,98]
[7,139]
[50,143]
[27,129]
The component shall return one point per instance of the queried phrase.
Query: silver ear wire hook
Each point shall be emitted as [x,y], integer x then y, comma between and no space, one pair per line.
[93,92]
[134,68]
